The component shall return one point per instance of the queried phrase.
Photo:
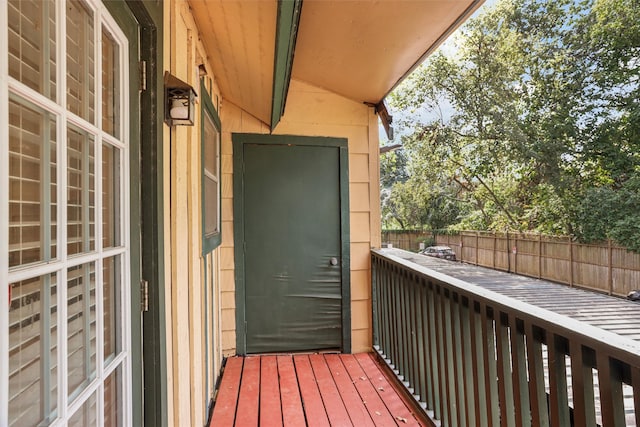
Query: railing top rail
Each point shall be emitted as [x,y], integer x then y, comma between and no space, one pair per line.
[620,347]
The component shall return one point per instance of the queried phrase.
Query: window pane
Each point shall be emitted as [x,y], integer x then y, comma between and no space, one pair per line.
[32,44]
[33,366]
[32,185]
[110,196]
[110,85]
[113,399]
[111,283]
[86,415]
[80,61]
[80,191]
[81,327]
[211,181]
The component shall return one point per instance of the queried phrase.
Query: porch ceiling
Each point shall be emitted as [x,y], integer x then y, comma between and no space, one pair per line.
[239,37]
[359,49]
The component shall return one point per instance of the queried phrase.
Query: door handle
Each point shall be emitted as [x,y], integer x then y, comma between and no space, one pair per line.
[333,261]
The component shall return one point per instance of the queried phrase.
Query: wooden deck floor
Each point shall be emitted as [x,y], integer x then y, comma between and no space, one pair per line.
[309,390]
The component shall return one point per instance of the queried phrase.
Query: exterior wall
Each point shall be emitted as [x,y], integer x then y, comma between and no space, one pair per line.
[310,112]
[191,374]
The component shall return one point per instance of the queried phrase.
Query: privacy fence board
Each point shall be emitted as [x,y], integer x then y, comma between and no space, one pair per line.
[603,267]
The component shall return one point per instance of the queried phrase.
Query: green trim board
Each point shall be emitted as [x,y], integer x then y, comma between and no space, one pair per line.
[242,142]
[346,249]
[150,367]
[211,240]
[129,26]
[286,35]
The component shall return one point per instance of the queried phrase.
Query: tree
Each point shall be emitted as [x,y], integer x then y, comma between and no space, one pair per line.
[531,120]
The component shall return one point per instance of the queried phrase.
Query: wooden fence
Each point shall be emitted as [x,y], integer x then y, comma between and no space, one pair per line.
[603,267]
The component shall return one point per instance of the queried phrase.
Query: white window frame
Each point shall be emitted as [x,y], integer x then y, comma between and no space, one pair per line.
[59,266]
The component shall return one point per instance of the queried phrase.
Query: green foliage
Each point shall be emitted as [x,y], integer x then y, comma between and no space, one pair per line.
[531,124]
[607,213]
[413,204]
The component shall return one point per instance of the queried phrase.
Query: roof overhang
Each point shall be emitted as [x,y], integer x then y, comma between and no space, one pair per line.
[360,49]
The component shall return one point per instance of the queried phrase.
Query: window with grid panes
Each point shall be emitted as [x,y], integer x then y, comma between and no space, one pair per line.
[64,349]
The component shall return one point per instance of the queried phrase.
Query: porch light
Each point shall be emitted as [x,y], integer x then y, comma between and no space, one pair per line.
[179,108]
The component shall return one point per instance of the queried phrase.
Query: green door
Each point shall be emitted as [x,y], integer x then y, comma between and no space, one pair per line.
[293,245]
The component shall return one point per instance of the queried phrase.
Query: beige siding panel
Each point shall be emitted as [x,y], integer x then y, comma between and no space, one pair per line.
[359,144]
[360,314]
[228,299]
[226,163]
[228,343]
[227,234]
[359,168]
[226,258]
[359,197]
[251,124]
[228,325]
[227,283]
[317,106]
[186,267]
[227,186]
[360,231]
[357,135]
[180,281]
[230,116]
[228,320]
[361,341]
[196,263]
[360,285]
[227,210]
[226,143]
[168,273]
[360,256]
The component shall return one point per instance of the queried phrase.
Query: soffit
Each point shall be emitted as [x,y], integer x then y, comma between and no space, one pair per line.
[361,49]
[239,37]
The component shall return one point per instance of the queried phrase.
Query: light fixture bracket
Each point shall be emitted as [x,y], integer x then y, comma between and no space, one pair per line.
[180,100]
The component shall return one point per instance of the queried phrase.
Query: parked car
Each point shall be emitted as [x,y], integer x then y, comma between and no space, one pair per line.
[444,252]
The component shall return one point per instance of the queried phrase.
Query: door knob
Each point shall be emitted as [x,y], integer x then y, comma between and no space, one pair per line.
[333,261]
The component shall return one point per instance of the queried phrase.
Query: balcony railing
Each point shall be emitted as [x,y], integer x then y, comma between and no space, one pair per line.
[473,357]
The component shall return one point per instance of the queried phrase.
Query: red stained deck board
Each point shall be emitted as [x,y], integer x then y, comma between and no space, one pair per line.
[313,405]
[334,407]
[310,390]
[248,401]
[270,409]
[292,412]
[357,411]
[387,393]
[376,407]
[224,412]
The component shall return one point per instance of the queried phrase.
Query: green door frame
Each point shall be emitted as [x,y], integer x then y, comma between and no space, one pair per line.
[148,332]
[239,140]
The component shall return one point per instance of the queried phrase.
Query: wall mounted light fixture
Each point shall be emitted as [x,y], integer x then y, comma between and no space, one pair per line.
[179,107]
